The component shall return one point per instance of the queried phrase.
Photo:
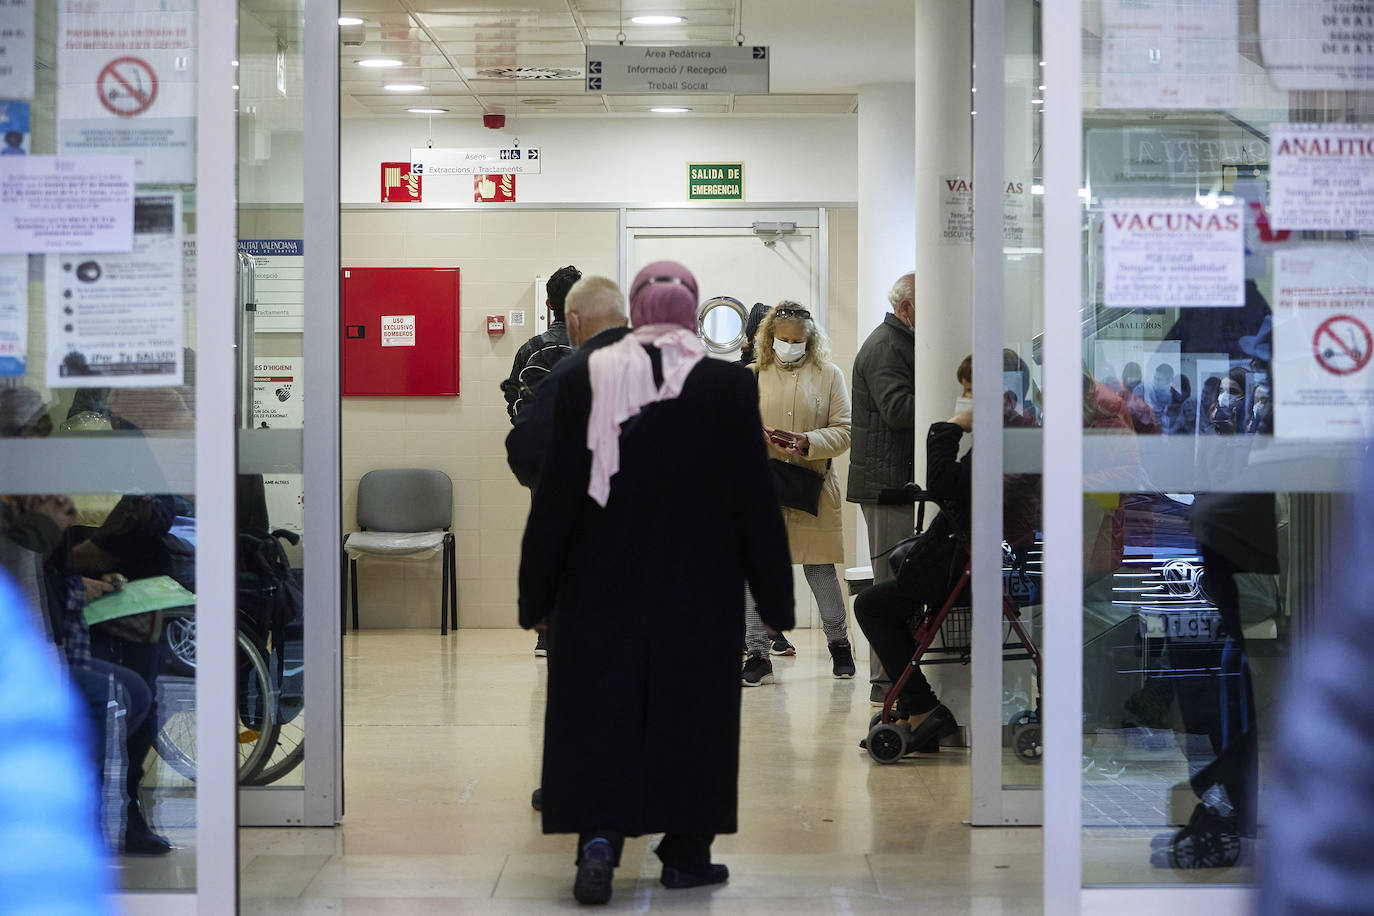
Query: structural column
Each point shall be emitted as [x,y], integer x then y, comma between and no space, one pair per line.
[943,149]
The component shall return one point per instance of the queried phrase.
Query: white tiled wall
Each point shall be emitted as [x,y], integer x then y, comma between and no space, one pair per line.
[499,254]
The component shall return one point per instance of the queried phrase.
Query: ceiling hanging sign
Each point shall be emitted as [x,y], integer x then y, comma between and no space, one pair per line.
[1317,44]
[1321,177]
[445,163]
[1168,54]
[678,68]
[16,49]
[127,84]
[1168,254]
[715,181]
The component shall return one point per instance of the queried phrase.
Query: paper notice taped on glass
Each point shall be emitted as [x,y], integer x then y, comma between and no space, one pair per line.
[1323,338]
[1317,44]
[126,72]
[1167,54]
[1168,253]
[66,204]
[116,320]
[278,393]
[16,49]
[14,315]
[1322,176]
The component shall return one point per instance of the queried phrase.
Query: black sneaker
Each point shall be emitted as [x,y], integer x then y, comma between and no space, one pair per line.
[677,878]
[842,659]
[781,646]
[537,799]
[757,670]
[541,648]
[595,869]
[939,724]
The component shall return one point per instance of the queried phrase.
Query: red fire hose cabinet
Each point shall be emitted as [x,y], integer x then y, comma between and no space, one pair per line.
[400,331]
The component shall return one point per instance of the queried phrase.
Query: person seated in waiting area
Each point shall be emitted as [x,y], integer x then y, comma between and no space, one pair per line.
[935,563]
[33,536]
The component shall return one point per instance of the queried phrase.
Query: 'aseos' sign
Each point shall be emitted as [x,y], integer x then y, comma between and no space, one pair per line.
[1173,254]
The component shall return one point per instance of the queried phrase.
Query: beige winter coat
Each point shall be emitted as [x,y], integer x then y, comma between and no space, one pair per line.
[811,399]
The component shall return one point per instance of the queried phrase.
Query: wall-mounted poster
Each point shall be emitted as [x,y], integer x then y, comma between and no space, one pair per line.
[16,49]
[14,315]
[1169,53]
[116,320]
[1317,44]
[14,128]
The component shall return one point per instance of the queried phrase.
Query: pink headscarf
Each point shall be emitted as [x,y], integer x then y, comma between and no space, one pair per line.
[663,308]
[665,292]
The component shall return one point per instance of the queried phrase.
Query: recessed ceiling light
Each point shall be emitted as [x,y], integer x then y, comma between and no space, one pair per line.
[380,63]
[404,87]
[541,102]
[350,20]
[427,110]
[669,109]
[657,20]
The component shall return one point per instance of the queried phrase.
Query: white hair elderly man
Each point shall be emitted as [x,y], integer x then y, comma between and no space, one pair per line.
[883,450]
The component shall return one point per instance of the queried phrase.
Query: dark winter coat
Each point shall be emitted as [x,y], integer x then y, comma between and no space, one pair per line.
[645,602]
[539,354]
[528,441]
[884,406]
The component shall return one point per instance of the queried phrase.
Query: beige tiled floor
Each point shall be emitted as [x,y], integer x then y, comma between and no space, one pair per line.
[442,739]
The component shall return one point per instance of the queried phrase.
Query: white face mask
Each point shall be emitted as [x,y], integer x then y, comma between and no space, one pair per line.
[962,404]
[788,352]
[1226,401]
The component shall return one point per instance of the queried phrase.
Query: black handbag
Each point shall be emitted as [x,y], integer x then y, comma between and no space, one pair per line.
[798,487]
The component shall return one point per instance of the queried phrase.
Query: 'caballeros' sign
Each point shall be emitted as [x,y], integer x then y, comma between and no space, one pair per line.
[1170,254]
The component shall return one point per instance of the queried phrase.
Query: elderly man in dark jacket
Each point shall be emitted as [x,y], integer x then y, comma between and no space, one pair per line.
[884,439]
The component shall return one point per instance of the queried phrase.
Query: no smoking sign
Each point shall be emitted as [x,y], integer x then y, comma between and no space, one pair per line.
[127,86]
[1342,345]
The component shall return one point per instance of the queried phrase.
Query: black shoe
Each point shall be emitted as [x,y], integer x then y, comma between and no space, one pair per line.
[877,696]
[842,659]
[677,878]
[780,645]
[594,872]
[541,648]
[939,724]
[757,670]
[139,838]
[537,800]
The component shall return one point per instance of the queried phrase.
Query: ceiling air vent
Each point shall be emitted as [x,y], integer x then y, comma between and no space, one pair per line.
[529,73]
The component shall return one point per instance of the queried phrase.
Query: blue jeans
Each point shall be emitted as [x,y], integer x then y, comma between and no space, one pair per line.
[133,694]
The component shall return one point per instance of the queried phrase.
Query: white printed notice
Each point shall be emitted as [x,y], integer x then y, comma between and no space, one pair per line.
[398,330]
[280,285]
[1321,176]
[956,211]
[115,320]
[127,84]
[277,391]
[1169,53]
[1323,315]
[1162,254]
[16,49]
[14,315]
[1318,44]
[66,204]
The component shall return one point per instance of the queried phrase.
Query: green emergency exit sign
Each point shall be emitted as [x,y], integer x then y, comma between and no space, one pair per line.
[715,181]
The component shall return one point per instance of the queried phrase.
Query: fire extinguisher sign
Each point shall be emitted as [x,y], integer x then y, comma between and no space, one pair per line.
[398,330]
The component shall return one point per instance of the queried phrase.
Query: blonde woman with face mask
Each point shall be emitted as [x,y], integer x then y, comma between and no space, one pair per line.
[805,408]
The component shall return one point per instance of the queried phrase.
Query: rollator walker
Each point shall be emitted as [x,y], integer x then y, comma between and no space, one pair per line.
[887,741]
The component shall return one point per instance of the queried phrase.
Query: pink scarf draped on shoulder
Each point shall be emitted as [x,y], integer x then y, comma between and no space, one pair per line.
[622,378]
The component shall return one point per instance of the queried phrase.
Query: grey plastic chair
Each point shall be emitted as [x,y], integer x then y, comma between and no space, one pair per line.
[404,512]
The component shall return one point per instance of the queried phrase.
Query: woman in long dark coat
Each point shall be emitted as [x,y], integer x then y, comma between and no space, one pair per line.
[635,555]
